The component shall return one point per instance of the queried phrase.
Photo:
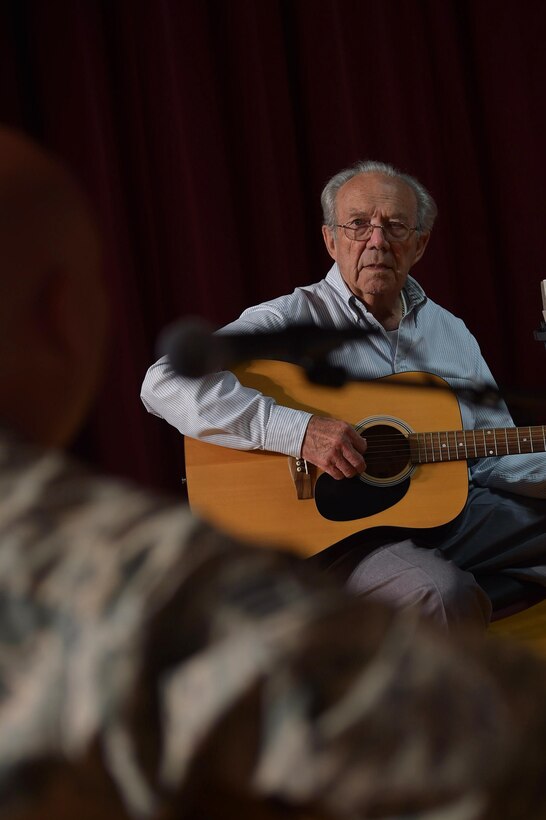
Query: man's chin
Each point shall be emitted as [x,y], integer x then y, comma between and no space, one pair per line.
[379,281]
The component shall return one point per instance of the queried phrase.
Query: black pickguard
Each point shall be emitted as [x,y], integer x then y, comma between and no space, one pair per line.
[351,498]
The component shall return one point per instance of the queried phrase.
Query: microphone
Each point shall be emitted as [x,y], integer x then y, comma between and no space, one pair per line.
[194,349]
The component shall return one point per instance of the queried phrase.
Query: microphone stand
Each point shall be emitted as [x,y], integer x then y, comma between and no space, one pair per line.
[540,335]
[309,347]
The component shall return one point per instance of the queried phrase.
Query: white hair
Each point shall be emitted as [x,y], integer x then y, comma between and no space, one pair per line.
[426,207]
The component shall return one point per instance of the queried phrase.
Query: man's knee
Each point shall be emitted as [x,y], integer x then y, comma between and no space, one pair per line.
[405,576]
[452,596]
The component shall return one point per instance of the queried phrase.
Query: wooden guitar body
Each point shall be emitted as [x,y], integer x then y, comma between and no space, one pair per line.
[254,496]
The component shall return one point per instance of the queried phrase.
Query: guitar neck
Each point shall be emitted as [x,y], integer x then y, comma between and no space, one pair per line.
[457,445]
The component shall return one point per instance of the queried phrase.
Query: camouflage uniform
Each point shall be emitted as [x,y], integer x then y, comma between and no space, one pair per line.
[152,668]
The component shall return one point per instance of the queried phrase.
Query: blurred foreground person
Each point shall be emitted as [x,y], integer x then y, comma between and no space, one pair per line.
[152,668]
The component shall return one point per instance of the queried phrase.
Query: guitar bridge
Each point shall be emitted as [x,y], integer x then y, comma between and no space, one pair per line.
[304,476]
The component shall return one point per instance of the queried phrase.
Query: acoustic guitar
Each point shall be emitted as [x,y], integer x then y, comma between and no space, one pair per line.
[416,474]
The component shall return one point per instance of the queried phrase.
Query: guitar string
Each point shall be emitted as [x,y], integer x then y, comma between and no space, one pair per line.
[510,431]
[469,440]
[453,434]
[384,445]
[396,444]
[452,442]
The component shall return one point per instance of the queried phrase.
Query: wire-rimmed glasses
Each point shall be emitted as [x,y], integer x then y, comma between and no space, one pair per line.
[360,230]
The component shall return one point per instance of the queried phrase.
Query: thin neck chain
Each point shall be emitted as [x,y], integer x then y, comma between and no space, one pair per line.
[403,303]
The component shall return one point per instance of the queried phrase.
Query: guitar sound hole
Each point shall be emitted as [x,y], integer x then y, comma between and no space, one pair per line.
[388,452]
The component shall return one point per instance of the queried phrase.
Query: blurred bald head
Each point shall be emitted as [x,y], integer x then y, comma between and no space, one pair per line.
[53,306]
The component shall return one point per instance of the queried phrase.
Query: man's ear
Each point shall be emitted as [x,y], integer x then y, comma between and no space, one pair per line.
[329,236]
[422,243]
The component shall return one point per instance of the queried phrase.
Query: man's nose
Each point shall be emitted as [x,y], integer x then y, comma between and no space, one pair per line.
[377,237]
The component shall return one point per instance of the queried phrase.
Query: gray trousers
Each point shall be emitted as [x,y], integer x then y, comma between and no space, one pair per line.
[439,570]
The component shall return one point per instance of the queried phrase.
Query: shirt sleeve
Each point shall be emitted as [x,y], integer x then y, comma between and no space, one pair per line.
[218,409]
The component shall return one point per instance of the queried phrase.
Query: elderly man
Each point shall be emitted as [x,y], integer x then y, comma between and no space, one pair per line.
[377,223]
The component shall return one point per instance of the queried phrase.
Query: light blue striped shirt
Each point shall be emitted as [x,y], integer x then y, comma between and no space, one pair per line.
[218,409]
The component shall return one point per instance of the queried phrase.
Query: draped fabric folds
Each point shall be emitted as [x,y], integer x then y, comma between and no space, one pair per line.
[204,131]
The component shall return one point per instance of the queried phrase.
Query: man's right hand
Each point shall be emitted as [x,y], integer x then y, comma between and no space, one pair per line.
[334,446]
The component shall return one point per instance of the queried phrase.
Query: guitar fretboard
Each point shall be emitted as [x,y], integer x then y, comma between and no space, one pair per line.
[455,445]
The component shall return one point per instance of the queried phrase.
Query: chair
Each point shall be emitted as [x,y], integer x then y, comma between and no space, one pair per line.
[510,595]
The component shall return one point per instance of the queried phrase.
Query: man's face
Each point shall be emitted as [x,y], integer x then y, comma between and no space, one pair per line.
[376,267]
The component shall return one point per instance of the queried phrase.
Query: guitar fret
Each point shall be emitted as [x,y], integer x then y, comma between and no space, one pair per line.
[447,448]
[460,444]
[421,440]
[419,457]
[455,448]
[487,451]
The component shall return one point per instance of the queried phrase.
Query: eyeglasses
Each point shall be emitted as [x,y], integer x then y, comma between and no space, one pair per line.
[360,230]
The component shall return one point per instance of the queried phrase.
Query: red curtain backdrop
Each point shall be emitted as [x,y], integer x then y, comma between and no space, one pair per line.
[204,131]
